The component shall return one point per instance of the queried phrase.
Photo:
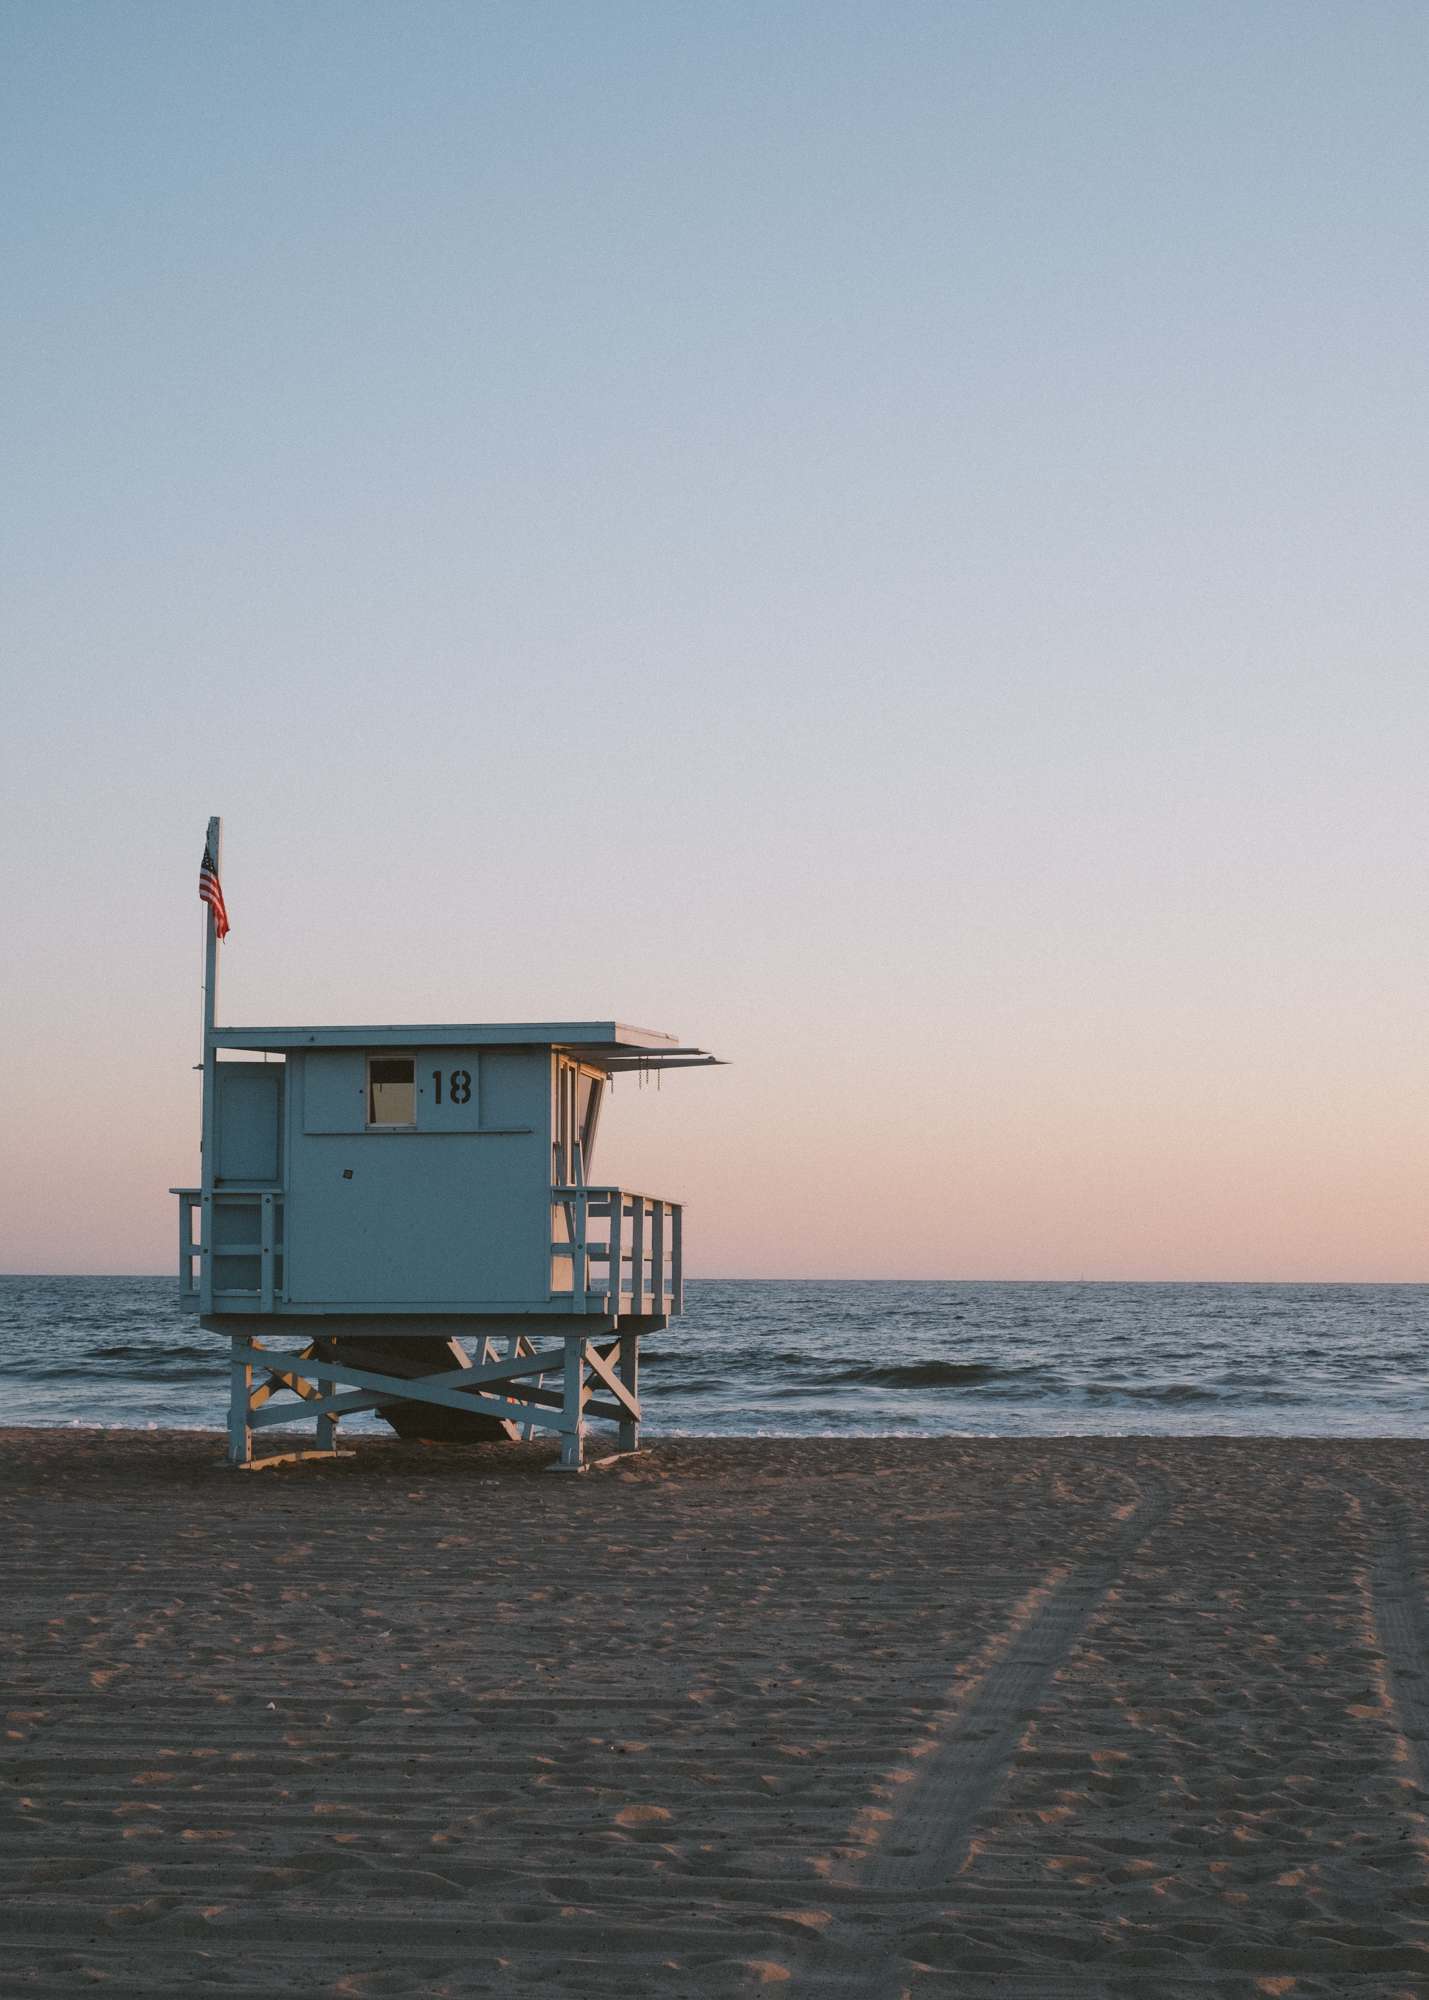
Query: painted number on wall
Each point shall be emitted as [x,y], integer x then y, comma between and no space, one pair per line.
[458,1083]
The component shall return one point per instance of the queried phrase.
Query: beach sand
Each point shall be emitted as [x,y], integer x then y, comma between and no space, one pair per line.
[1000,1717]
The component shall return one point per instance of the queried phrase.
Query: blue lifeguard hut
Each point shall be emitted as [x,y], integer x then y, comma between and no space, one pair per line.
[403,1219]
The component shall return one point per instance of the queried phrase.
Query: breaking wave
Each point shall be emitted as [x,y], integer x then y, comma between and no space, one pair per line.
[927,1374]
[152,1354]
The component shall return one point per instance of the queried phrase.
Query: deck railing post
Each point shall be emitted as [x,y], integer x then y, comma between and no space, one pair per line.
[617,1239]
[186,1247]
[205,1261]
[677,1257]
[637,1253]
[266,1241]
[657,1256]
[580,1260]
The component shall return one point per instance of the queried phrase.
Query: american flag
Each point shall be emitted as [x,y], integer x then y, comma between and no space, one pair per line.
[210,891]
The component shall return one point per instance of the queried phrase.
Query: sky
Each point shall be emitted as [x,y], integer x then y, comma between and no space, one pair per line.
[888,541]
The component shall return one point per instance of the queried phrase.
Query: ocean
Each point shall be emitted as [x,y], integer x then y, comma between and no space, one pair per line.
[784,1357]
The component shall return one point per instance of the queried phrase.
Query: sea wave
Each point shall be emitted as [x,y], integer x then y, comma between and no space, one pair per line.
[929,1374]
[155,1355]
[830,1358]
[1153,1392]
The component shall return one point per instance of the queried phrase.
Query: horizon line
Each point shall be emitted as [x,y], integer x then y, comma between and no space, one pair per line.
[719,1278]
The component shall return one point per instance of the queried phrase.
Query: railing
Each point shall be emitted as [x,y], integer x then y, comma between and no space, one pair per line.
[237,1259]
[632,1263]
[612,1251]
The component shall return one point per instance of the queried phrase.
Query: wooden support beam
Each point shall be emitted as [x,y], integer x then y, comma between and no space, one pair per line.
[629,1365]
[505,1369]
[277,1380]
[604,1372]
[572,1418]
[340,1404]
[327,1409]
[291,1458]
[265,1391]
[411,1388]
[599,1378]
[240,1388]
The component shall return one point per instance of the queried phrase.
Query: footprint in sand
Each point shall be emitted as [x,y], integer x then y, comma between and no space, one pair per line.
[636,1819]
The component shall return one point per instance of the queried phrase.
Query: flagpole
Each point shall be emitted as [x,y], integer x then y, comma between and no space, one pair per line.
[210,1065]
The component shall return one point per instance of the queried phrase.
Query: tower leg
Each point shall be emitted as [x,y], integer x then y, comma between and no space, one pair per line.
[573,1438]
[240,1386]
[627,1369]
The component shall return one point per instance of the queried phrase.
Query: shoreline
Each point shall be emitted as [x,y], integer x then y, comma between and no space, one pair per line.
[651,1436]
[990,1716]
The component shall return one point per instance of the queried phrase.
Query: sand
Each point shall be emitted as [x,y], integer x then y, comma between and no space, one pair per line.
[859,1718]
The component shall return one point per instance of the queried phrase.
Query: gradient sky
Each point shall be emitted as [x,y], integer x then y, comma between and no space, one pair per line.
[889,540]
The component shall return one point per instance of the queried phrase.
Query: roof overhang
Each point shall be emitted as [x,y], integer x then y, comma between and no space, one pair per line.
[611,1045]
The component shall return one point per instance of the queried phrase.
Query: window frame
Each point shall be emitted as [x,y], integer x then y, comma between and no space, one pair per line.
[388,1056]
[573,1136]
[591,1120]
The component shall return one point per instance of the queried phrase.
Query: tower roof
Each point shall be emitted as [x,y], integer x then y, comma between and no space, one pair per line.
[611,1045]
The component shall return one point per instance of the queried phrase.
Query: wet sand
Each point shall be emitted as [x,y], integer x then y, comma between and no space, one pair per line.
[1005,1717]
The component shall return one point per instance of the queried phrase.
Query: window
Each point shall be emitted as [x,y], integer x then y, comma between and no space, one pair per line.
[574,1113]
[591,1088]
[391,1091]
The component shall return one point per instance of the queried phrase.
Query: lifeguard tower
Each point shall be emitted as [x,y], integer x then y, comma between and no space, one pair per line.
[403,1219]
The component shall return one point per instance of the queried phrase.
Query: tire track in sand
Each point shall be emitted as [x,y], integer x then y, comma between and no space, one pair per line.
[926,1838]
[1402,1629]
